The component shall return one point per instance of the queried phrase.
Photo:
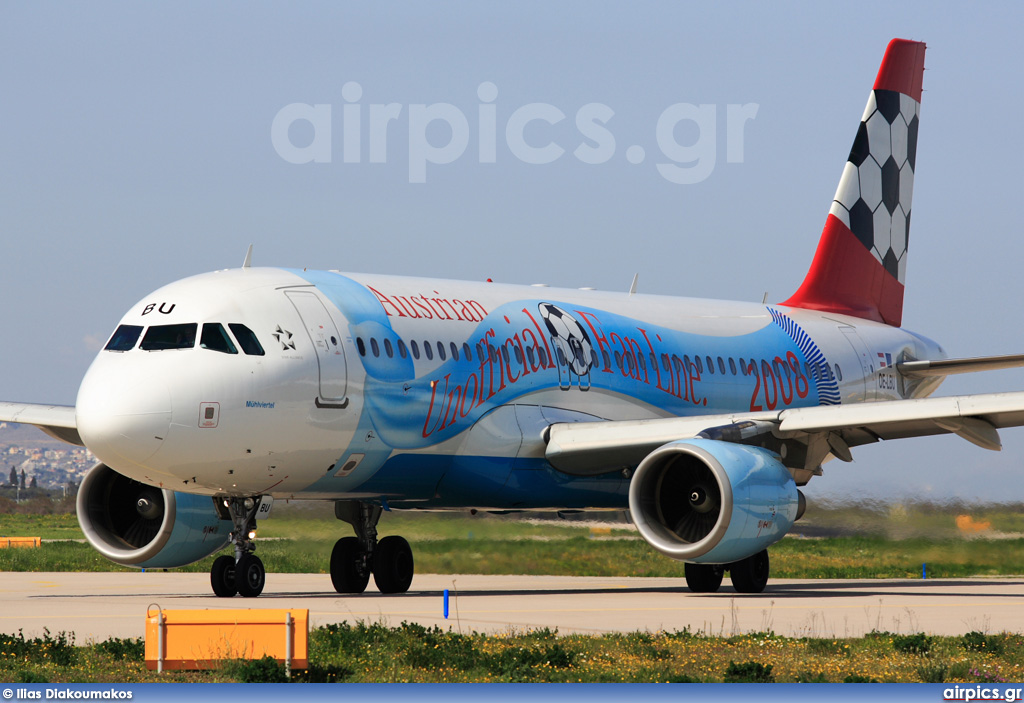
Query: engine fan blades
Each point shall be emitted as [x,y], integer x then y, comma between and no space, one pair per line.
[691,500]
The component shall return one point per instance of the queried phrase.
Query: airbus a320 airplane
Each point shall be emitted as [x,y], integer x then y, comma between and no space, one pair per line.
[219,393]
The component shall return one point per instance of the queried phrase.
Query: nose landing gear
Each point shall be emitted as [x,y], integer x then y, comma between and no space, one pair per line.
[355,558]
[244,573]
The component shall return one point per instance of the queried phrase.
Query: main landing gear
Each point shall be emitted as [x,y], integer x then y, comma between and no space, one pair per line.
[748,575]
[355,558]
[243,573]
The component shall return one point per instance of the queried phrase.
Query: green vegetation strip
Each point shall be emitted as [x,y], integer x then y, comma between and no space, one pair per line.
[457,543]
[410,652]
[840,557]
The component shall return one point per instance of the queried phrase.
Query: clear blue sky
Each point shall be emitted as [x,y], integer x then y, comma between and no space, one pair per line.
[135,149]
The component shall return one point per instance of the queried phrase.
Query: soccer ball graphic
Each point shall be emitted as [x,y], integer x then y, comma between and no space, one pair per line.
[876,189]
[572,345]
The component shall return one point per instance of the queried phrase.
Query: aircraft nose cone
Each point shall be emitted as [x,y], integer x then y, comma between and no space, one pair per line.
[123,415]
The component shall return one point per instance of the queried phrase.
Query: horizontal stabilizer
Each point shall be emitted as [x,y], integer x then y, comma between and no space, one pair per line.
[948,367]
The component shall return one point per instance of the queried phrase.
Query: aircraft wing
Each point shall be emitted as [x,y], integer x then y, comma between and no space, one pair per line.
[58,421]
[590,448]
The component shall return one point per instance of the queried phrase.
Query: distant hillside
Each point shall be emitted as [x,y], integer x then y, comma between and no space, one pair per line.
[27,435]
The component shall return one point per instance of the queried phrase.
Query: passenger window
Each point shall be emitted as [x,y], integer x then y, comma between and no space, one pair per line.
[374,347]
[732,366]
[440,351]
[215,338]
[161,337]
[467,352]
[455,351]
[124,338]
[246,339]
[606,359]
[543,356]
[388,349]
[360,346]
[711,365]
[415,349]
[721,365]
[529,355]
[428,351]
[479,352]
[519,354]
[402,352]
[839,373]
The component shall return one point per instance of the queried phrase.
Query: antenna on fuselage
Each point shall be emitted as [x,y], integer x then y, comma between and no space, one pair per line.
[248,258]
[632,286]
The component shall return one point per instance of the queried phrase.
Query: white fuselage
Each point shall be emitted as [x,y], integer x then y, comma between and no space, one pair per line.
[346,401]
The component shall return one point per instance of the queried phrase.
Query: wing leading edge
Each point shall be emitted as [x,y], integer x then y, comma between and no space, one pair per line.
[592,448]
[58,421]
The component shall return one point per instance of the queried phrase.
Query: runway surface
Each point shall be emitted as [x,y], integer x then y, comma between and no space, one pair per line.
[96,606]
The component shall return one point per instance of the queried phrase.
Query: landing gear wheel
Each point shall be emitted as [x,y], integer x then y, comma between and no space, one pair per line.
[704,578]
[750,575]
[250,576]
[222,577]
[347,571]
[392,565]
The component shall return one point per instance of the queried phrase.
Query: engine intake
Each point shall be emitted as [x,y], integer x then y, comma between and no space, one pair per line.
[710,501]
[133,524]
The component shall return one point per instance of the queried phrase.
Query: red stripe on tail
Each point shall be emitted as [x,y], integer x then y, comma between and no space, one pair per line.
[902,69]
[846,279]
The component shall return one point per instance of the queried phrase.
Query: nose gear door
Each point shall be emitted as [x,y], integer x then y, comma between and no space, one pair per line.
[330,352]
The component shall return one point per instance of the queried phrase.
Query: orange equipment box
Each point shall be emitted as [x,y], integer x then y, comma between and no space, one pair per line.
[199,639]
[6,542]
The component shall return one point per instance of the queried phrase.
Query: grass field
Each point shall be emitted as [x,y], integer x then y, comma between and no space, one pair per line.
[299,540]
[864,545]
[376,653]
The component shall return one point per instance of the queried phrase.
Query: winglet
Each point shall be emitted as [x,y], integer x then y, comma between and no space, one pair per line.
[248,258]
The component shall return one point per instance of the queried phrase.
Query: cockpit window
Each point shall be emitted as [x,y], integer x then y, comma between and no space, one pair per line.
[246,339]
[160,337]
[124,338]
[216,338]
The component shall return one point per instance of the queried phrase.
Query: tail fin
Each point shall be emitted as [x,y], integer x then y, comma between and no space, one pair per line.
[861,262]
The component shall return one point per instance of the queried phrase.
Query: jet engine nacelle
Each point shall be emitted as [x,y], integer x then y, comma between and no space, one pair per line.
[708,501]
[133,524]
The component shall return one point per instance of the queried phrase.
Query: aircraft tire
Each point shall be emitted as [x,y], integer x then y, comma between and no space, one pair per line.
[750,575]
[703,578]
[345,572]
[250,575]
[393,565]
[222,577]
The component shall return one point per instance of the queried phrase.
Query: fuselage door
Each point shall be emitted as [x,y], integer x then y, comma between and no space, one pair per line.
[330,352]
[866,368]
